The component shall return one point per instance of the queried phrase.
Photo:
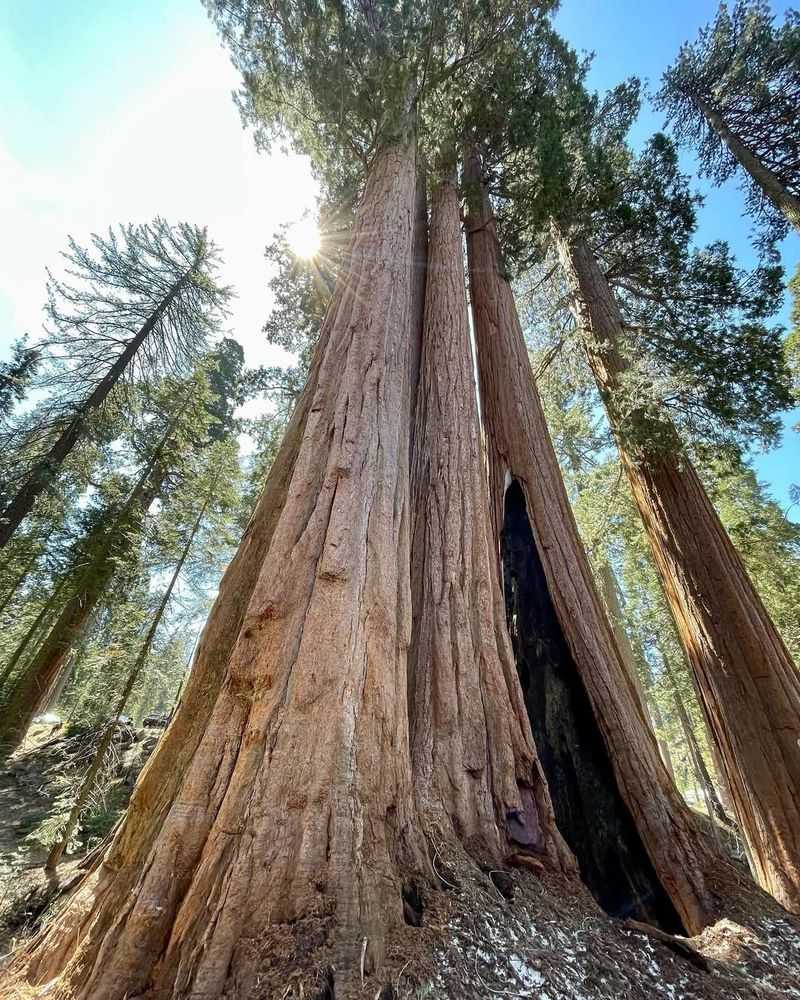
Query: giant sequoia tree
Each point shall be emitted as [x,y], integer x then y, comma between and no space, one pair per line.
[357,708]
[655,316]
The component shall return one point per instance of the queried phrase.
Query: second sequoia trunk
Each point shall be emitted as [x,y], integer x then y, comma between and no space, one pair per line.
[521,458]
[748,685]
[476,774]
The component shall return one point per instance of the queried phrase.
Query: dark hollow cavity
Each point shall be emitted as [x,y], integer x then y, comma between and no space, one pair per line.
[589,809]
[412,905]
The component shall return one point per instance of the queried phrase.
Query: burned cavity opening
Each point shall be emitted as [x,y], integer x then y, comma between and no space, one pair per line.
[590,811]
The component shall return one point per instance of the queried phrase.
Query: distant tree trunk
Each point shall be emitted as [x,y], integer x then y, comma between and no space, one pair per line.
[663,745]
[748,685]
[46,469]
[610,589]
[304,757]
[35,626]
[88,783]
[32,687]
[476,774]
[521,452]
[699,764]
[785,202]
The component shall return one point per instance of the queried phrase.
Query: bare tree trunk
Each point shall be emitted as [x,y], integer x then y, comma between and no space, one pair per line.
[46,469]
[87,786]
[295,816]
[785,202]
[748,685]
[520,451]
[476,774]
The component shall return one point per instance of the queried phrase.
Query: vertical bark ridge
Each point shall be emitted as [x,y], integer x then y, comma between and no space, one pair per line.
[476,774]
[295,813]
[519,448]
[748,685]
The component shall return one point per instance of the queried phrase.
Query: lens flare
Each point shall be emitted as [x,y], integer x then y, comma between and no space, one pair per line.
[304,238]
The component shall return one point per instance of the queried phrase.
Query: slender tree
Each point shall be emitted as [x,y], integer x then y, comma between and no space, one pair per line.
[142,303]
[88,783]
[734,94]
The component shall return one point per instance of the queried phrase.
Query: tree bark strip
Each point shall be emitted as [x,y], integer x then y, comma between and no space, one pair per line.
[476,774]
[748,685]
[520,449]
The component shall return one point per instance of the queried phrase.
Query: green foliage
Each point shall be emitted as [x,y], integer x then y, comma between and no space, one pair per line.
[342,79]
[15,375]
[691,314]
[745,67]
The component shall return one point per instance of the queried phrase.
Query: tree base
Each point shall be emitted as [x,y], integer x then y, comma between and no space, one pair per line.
[523,930]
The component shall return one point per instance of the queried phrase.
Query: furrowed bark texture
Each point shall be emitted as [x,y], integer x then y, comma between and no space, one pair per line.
[748,685]
[476,774]
[96,901]
[295,816]
[519,448]
[785,202]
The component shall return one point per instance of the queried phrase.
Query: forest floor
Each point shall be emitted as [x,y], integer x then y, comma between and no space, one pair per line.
[37,788]
[532,935]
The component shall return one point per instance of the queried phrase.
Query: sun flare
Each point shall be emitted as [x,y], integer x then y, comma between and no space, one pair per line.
[304,237]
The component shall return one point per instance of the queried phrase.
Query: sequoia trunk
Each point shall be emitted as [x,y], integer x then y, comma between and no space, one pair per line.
[287,838]
[476,774]
[748,685]
[556,575]
[105,889]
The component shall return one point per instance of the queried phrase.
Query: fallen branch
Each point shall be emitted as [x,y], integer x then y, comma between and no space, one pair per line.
[676,944]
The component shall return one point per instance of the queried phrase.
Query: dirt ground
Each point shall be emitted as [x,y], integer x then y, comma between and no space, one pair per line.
[514,933]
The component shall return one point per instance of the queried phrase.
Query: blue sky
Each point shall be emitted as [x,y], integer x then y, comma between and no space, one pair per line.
[636,38]
[114,112]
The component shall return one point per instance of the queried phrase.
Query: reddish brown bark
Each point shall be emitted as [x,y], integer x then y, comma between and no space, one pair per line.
[748,685]
[476,774]
[519,448]
[106,887]
[295,817]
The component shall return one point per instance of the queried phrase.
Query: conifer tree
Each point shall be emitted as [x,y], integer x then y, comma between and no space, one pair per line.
[136,306]
[638,292]
[734,94]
